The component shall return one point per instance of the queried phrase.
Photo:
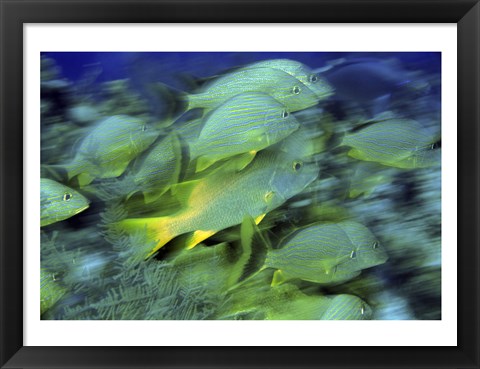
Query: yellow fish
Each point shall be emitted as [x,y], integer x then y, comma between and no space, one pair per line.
[222,199]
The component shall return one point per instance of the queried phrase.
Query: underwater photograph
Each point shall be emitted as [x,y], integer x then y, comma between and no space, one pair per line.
[240,186]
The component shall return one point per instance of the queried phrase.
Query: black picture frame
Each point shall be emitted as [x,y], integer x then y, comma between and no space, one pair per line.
[15,13]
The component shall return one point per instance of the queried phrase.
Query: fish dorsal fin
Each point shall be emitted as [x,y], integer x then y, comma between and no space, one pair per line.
[182,191]
[240,162]
[200,82]
[382,117]
[235,164]
[197,83]
[178,149]
[286,239]
[162,123]
[362,126]
[254,252]
[385,115]
[231,165]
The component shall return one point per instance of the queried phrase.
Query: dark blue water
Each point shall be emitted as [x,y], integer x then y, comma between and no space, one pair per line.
[118,65]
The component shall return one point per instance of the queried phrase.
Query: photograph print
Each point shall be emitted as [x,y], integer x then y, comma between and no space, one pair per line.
[240,186]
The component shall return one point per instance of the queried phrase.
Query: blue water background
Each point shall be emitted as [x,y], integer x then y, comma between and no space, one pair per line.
[119,65]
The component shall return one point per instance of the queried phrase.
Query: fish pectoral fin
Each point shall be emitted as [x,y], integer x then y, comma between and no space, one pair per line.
[356,154]
[279,277]
[196,237]
[204,162]
[182,191]
[241,161]
[119,170]
[329,265]
[263,138]
[84,179]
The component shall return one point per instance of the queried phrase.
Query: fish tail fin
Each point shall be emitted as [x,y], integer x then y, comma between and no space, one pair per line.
[193,101]
[336,140]
[175,101]
[254,253]
[55,171]
[70,171]
[157,231]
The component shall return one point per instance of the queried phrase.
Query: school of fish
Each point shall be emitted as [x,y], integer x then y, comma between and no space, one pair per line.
[234,168]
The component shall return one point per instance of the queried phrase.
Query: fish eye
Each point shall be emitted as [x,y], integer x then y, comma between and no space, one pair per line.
[297,165]
[285,114]
[436,145]
[375,245]
[353,255]
[296,90]
[313,78]
[67,196]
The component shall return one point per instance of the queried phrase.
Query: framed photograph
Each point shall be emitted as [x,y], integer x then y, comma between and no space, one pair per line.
[225,184]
